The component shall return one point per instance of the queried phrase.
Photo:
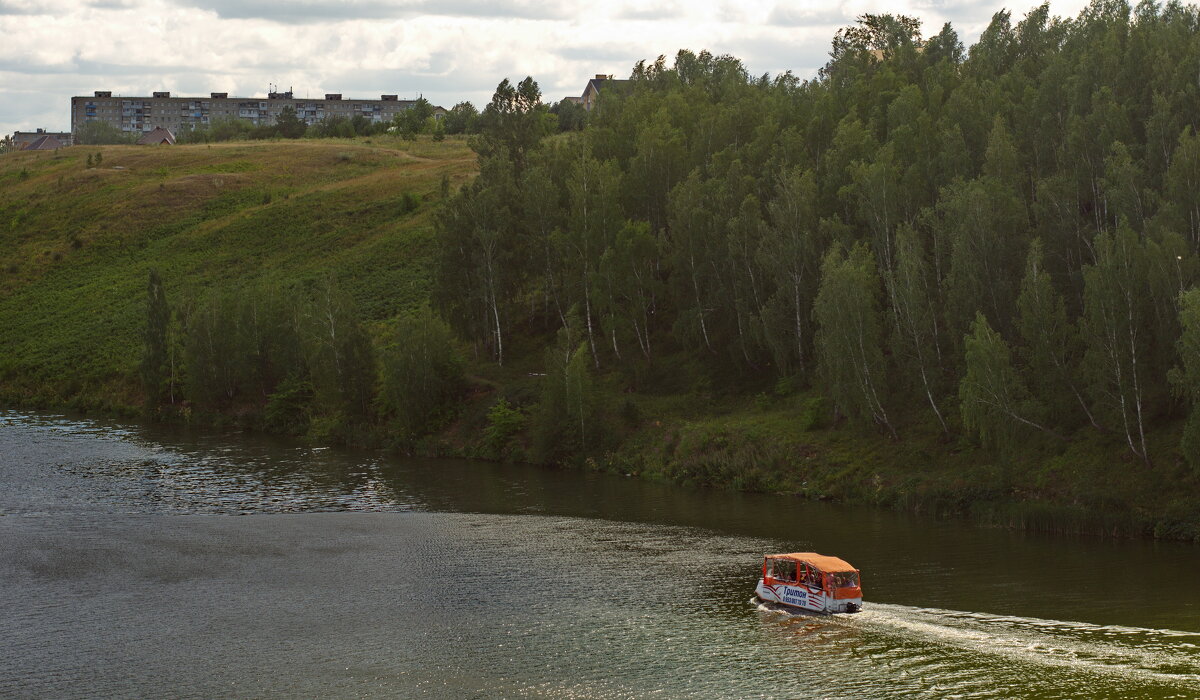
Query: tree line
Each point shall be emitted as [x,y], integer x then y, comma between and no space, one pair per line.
[296,358]
[1000,241]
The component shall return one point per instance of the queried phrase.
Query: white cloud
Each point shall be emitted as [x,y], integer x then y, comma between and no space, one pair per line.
[791,14]
[448,50]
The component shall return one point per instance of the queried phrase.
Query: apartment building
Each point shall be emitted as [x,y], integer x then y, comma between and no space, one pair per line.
[143,114]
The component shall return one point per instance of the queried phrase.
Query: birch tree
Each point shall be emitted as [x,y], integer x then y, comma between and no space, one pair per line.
[791,254]
[595,218]
[916,348]
[1049,339]
[849,335]
[992,397]
[1114,317]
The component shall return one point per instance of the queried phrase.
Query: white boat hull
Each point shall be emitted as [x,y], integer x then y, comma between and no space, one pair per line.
[804,598]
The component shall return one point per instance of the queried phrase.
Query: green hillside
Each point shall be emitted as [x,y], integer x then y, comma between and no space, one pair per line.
[935,278]
[76,242]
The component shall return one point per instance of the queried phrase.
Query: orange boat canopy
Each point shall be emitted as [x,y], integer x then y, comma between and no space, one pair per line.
[819,561]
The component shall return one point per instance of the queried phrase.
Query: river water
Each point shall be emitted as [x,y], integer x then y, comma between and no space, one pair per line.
[160,562]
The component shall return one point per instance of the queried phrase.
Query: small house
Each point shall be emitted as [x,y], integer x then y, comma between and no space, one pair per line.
[157,137]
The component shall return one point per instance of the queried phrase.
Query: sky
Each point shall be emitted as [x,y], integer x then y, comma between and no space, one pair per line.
[446,50]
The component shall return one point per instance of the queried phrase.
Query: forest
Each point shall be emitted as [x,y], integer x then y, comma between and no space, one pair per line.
[1004,236]
[984,258]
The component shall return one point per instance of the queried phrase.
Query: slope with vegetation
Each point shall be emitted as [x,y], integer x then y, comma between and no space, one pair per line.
[349,222]
[929,278]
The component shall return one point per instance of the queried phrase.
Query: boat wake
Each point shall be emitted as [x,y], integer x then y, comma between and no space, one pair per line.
[951,652]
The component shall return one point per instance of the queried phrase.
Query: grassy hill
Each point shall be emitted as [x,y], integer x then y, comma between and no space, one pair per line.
[81,227]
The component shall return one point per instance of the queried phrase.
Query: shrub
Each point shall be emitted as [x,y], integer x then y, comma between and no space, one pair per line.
[504,423]
[288,409]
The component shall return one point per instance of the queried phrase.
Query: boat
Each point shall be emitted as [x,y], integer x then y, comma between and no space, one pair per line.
[811,582]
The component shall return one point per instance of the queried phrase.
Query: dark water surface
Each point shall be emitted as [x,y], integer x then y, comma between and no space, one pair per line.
[354,574]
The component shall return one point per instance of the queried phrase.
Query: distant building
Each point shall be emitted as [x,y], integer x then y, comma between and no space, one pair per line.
[24,138]
[144,114]
[591,91]
[158,137]
[47,142]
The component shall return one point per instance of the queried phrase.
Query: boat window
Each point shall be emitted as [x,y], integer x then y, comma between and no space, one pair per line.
[783,570]
[846,579]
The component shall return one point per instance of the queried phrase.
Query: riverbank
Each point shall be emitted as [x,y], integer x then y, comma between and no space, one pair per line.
[786,446]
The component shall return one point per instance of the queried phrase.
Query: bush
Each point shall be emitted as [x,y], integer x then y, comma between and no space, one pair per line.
[504,423]
[409,202]
[97,133]
[288,409]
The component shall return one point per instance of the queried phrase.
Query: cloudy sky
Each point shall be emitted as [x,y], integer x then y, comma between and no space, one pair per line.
[447,50]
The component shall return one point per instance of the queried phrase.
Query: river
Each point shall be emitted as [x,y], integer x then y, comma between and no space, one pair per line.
[143,561]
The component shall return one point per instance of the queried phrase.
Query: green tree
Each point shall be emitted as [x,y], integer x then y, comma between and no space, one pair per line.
[422,373]
[991,395]
[214,359]
[1182,200]
[340,355]
[99,133]
[848,341]
[570,114]
[630,284]
[514,122]
[1049,339]
[288,125]
[568,420]
[916,349]
[1185,378]
[790,252]
[462,118]
[414,119]
[983,221]
[595,217]
[1114,329]
[479,246]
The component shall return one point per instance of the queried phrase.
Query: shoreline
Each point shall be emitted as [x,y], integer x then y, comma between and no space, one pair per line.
[842,465]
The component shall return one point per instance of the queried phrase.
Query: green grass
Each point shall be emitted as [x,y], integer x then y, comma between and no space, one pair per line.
[76,243]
